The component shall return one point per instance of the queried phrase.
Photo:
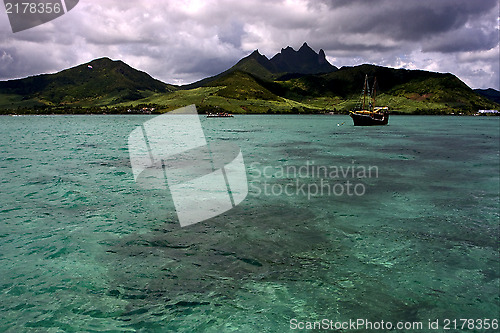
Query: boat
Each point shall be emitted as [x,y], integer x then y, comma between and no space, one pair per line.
[219,115]
[365,113]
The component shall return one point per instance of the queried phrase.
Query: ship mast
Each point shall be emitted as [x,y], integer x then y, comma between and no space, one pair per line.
[365,88]
[374,93]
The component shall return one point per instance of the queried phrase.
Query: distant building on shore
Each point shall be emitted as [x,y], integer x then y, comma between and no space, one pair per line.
[488,112]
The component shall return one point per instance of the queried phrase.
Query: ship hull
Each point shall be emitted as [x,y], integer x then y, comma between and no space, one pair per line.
[369,120]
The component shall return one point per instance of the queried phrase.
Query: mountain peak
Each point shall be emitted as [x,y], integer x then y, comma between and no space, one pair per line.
[287,50]
[100,81]
[257,56]
[288,61]
[305,47]
[322,57]
[103,60]
[303,61]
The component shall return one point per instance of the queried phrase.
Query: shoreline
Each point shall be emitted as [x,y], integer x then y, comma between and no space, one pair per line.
[245,114]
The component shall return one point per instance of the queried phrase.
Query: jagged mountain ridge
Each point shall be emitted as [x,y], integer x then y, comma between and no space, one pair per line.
[285,64]
[303,61]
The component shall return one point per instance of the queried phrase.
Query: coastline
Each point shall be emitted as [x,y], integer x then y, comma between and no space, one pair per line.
[394,113]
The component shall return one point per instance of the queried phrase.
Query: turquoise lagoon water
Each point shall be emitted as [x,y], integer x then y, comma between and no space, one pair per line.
[85,249]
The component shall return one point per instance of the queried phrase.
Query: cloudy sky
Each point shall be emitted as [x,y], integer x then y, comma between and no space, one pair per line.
[181,41]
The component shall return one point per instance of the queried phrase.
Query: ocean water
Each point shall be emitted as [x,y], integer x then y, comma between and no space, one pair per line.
[414,237]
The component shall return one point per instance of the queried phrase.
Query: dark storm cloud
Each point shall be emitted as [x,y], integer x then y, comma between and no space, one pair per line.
[408,20]
[463,41]
[183,41]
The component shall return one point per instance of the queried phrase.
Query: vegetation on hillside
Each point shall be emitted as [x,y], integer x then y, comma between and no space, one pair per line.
[102,82]
[254,85]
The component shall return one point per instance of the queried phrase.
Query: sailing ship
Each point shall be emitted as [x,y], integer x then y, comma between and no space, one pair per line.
[365,113]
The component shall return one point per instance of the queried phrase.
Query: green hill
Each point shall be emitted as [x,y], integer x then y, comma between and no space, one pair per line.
[99,82]
[291,82]
[491,94]
[405,91]
[402,90]
[242,86]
